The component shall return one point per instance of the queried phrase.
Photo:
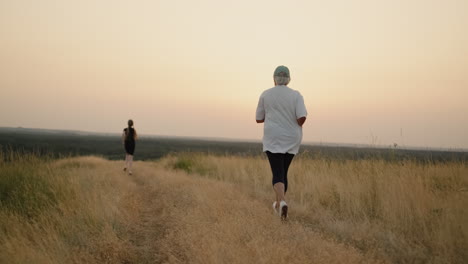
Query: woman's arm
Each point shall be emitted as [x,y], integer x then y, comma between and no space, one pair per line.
[123,137]
[135,136]
[301,111]
[260,113]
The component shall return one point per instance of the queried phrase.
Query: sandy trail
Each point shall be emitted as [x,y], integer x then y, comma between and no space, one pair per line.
[179,218]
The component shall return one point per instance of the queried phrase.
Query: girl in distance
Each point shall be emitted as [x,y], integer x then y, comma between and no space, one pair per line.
[129,137]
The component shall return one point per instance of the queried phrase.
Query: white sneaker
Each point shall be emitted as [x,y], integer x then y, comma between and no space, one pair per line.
[274,208]
[283,210]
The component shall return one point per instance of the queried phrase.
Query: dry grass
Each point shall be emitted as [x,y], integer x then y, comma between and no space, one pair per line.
[86,210]
[403,212]
[208,221]
[66,211]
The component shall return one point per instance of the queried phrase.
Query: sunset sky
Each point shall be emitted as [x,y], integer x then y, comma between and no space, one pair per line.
[371,72]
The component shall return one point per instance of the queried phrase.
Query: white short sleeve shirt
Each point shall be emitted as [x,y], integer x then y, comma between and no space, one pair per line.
[280,107]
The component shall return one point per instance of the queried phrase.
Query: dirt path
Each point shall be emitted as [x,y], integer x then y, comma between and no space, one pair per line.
[180,218]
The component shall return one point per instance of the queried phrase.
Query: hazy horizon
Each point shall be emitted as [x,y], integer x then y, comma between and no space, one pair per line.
[377,72]
[230,139]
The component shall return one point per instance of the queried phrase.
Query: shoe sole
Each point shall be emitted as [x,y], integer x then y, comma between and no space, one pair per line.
[284,212]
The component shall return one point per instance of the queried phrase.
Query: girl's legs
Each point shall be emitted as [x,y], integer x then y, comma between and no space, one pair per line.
[126,162]
[130,163]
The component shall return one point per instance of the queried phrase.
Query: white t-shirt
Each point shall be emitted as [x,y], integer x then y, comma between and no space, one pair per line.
[280,107]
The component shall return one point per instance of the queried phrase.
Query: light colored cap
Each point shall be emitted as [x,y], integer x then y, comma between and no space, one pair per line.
[282,71]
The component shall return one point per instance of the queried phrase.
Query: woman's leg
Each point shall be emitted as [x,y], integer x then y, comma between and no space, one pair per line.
[286,162]
[279,191]
[277,169]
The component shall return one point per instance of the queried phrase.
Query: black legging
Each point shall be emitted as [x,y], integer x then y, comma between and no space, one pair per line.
[279,163]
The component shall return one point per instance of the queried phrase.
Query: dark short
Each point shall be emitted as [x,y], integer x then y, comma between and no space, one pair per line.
[279,163]
[129,147]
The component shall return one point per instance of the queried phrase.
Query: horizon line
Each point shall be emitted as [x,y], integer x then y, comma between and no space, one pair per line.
[227,139]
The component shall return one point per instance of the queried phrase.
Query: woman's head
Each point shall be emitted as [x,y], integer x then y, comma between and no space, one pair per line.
[281,75]
[130,123]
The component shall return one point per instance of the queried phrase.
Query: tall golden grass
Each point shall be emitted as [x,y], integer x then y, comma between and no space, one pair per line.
[86,210]
[198,208]
[405,212]
[66,211]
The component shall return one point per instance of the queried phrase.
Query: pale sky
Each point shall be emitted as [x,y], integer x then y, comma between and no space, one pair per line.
[371,72]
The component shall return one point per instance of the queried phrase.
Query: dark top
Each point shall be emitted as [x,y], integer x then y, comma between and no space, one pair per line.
[129,135]
[129,140]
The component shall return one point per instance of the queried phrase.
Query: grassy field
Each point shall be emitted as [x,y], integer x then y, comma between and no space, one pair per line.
[60,211]
[408,212]
[201,208]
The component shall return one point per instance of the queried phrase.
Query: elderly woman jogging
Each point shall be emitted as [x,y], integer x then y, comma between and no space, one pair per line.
[283,111]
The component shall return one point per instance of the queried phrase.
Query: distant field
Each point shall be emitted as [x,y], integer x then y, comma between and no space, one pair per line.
[62,144]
